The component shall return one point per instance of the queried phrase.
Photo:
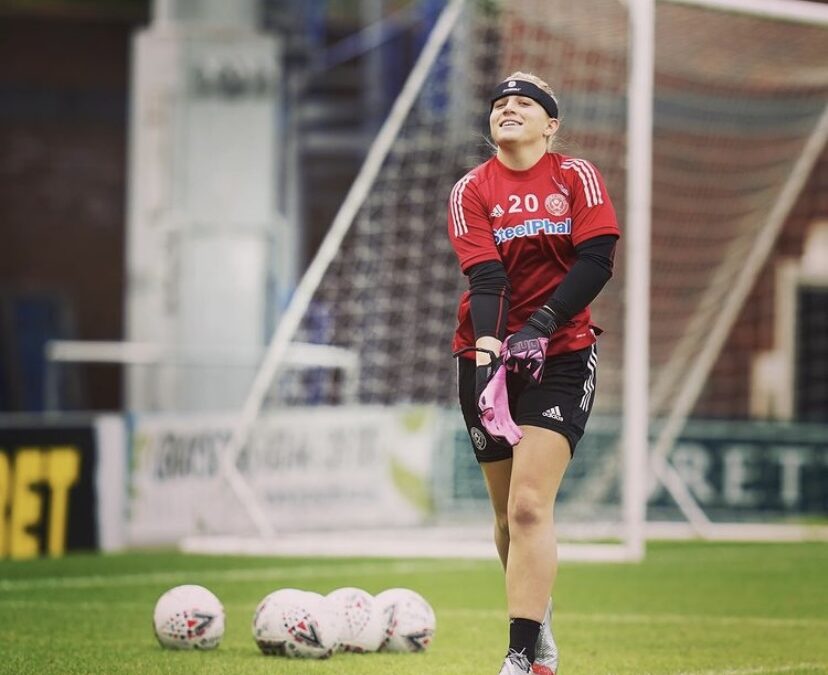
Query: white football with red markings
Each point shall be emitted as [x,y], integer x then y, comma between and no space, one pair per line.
[188,617]
[296,624]
[408,619]
[361,626]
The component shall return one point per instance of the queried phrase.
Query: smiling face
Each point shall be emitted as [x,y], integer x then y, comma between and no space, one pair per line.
[519,120]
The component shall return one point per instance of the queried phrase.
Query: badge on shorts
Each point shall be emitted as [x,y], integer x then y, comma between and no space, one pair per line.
[478,438]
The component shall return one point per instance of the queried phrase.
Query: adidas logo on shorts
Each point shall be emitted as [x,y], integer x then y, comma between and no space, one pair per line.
[553,413]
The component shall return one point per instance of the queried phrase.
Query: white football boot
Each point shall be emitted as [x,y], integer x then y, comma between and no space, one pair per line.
[546,651]
[516,663]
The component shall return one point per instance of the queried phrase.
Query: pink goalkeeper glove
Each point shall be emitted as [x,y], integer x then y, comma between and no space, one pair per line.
[525,355]
[492,399]
[493,406]
[524,352]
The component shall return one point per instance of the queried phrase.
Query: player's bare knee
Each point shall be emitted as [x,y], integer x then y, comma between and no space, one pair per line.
[526,513]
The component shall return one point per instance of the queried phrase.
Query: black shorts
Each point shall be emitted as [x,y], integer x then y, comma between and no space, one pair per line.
[561,402]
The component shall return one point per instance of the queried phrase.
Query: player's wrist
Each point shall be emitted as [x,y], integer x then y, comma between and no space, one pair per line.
[486,346]
[531,331]
[543,322]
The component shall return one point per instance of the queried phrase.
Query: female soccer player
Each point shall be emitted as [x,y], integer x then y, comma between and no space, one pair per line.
[535,233]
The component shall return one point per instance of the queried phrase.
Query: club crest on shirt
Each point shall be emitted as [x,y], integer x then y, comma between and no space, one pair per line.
[556,204]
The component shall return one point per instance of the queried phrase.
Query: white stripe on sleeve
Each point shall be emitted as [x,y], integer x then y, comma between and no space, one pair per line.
[589,179]
[457,214]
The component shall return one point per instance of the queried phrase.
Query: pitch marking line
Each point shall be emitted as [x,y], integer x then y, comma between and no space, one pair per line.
[767,621]
[305,572]
[799,667]
[761,621]
[494,615]
[368,570]
[240,574]
[97,605]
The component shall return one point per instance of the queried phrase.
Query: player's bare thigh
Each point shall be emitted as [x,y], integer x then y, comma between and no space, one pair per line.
[538,465]
[537,468]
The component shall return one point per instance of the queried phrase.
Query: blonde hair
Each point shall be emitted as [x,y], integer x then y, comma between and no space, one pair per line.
[538,82]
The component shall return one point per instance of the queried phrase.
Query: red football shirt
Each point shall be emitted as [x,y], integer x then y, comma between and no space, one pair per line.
[531,221]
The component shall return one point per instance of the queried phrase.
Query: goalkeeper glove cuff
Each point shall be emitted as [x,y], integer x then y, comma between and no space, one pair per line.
[545,320]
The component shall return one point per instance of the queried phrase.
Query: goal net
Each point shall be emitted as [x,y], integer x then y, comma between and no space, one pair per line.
[739,124]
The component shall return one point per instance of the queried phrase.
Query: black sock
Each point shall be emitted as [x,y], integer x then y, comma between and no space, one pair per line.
[523,633]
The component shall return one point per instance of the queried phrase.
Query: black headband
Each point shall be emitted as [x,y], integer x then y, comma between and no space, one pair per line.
[529,90]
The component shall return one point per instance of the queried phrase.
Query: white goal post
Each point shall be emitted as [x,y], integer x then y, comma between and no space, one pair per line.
[705,139]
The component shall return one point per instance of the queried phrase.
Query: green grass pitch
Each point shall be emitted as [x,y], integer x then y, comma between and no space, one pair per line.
[690,608]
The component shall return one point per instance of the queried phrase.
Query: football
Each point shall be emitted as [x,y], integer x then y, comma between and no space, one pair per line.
[188,617]
[361,628]
[296,624]
[408,620]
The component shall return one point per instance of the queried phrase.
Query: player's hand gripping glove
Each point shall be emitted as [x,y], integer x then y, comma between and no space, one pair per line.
[524,352]
[493,399]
